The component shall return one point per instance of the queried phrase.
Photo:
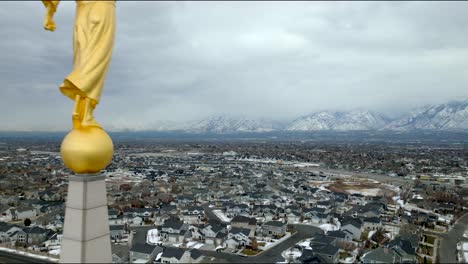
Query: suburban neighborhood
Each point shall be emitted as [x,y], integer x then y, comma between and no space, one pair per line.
[203,203]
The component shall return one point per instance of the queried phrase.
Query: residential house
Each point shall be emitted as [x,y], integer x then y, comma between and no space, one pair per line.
[381,255]
[120,253]
[372,223]
[325,253]
[233,210]
[341,236]
[117,232]
[238,237]
[23,212]
[245,222]
[214,233]
[193,215]
[143,253]
[35,235]
[54,240]
[4,235]
[353,226]
[274,228]
[404,249]
[175,231]
[178,255]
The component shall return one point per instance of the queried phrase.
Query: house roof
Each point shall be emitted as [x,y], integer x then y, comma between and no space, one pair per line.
[34,230]
[216,228]
[243,219]
[337,234]
[195,253]
[221,235]
[116,227]
[172,252]
[237,230]
[23,208]
[112,211]
[120,250]
[374,220]
[325,249]
[347,220]
[172,223]
[144,248]
[403,244]
[4,227]
[381,255]
[322,239]
[275,223]
[309,256]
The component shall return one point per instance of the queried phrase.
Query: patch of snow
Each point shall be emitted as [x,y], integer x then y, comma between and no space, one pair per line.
[465,246]
[371,233]
[152,236]
[305,244]
[365,192]
[399,201]
[322,188]
[158,257]
[199,245]
[328,227]
[389,235]
[221,216]
[219,247]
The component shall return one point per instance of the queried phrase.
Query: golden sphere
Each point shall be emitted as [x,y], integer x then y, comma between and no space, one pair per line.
[87,150]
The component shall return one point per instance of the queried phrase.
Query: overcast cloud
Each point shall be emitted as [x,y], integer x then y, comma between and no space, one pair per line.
[181,61]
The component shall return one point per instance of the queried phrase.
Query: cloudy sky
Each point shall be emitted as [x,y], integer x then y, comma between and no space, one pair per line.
[181,61]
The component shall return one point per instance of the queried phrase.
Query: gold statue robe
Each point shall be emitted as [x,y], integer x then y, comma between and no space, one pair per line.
[93,41]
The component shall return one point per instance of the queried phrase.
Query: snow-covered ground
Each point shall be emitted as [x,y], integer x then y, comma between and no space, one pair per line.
[306,164]
[328,227]
[221,216]
[352,259]
[54,250]
[371,233]
[292,253]
[152,237]
[305,244]
[28,254]
[268,245]
[398,200]
[195,244]
[465,246]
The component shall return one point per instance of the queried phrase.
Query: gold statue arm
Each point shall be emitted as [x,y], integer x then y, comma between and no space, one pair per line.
[51,7]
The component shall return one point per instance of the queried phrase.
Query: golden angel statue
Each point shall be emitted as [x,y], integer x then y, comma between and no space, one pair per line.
[93,41]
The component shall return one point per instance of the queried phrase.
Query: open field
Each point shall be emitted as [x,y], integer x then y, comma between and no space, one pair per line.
[364,187]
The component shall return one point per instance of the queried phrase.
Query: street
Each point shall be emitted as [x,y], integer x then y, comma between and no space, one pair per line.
[6,257]
[273,254]
[448,243]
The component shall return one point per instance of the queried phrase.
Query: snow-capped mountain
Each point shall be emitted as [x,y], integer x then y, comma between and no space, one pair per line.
[326,120]
[226,124]
[449,116]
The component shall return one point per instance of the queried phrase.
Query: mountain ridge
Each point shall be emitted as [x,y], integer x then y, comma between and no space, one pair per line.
[449,116]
